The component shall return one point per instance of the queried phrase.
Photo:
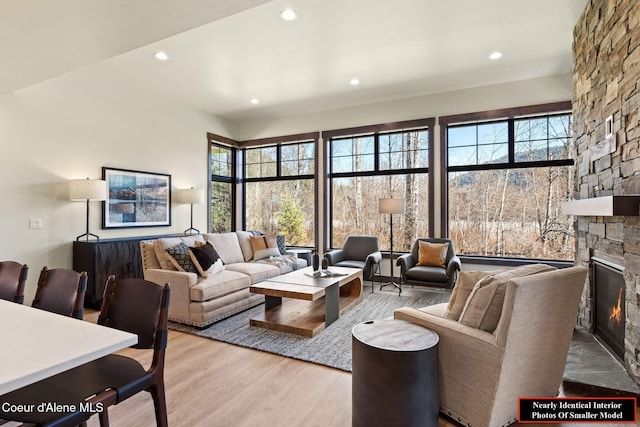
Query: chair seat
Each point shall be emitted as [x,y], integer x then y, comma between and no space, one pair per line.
[124,374]
[427,274]
[351,263]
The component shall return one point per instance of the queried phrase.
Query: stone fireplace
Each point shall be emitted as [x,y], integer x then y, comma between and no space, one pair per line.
[606,52]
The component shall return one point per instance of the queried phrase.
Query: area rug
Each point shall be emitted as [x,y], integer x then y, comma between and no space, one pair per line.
[331,347]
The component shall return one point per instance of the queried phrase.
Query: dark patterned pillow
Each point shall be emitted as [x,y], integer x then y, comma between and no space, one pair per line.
[204,257]
[180,258]
[282,246]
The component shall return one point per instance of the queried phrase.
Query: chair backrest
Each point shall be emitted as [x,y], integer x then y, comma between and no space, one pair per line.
[137,306]
[450,250]
[13,276]
[359,247]
[61,291]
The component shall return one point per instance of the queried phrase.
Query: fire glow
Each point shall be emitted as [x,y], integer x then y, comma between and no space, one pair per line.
[616,312]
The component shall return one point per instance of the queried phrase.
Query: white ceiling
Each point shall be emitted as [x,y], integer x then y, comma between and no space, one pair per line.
[224,53]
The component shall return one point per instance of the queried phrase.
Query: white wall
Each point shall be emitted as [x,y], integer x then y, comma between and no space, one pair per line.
[68,128]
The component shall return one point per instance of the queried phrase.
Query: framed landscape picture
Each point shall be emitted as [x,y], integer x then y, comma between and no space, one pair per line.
[136,199]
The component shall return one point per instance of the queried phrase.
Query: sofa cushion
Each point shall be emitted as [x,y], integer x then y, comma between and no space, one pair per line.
[218,285]
[204,257]
[432,254]
[227,246]
[255,270]
[181,259]
[464,285]
[162,244]
[484,305]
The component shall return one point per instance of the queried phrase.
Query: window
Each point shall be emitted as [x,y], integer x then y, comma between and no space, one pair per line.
[279,188]
[378,162]
[506,181]
[222,188]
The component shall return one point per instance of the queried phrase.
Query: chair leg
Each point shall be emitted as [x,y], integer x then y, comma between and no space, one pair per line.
[104,418]
[160,404]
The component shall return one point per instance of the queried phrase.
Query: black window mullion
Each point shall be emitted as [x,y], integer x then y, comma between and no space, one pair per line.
[511,140]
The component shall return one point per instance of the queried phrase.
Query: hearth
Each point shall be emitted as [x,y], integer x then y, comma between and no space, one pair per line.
[609,305]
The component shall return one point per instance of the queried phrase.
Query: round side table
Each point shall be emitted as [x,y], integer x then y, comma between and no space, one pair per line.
[394,374]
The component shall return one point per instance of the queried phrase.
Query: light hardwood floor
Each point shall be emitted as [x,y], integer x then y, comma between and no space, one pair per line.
[209,383]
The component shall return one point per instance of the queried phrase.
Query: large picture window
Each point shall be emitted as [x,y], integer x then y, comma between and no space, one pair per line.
[506,181]
[381,163]
[279,189]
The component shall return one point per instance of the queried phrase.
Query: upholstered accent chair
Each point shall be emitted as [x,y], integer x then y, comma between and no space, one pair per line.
[483,372]
[357,252]
[442,276]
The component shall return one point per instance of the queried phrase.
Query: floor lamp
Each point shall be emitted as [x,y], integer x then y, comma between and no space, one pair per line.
[191,196]
[391,207]
[87,190]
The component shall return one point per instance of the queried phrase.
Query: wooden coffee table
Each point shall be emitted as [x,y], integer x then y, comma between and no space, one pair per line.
[310,304]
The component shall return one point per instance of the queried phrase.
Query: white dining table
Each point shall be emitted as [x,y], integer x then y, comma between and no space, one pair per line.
[36,344]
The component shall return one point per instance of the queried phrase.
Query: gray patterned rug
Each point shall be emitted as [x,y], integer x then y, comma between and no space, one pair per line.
[331,347]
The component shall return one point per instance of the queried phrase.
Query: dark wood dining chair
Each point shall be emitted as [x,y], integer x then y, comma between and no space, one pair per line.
[61,291]
[13,276]
[133,305]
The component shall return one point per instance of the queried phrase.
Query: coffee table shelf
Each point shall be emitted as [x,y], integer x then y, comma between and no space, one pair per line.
[297,303]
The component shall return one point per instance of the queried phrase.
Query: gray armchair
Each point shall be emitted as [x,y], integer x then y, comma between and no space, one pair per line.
[443,277]
[358,252]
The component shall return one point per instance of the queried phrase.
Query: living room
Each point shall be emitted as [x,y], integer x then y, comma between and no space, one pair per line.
[81,114]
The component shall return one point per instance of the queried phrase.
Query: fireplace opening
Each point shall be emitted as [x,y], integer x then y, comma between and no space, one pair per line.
[609,304]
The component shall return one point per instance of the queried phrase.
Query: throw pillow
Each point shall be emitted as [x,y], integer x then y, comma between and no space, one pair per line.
[484,305]
[265,253]
[282,246]
[180,258]
[464,285]
[260,243]
[245,244]
[227,246]
[203,258]
[432,254]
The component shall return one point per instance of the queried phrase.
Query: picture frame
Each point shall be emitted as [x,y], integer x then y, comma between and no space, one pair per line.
[136,199]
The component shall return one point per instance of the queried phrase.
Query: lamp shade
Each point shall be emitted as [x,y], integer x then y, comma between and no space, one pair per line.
[191,195]
[81,190]
[391,206]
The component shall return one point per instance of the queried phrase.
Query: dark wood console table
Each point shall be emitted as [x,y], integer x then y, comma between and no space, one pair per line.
[102,258]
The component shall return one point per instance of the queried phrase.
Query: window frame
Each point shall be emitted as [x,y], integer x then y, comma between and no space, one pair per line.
[375,131]
[278,142]
[226,143]
[510,115]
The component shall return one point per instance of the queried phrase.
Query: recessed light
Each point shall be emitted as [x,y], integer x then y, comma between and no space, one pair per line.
[354,82]
[288,15]
[495,55]
[161,56]
[255,101]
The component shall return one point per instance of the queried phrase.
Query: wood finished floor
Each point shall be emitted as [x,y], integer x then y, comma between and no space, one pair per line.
[210,383]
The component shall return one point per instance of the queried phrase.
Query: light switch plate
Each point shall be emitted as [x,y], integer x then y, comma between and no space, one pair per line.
[35,223]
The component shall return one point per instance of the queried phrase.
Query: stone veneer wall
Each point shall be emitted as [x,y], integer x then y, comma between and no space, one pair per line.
[606,52]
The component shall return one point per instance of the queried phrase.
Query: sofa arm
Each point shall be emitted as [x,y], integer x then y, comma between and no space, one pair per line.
[181,283]
[335,256]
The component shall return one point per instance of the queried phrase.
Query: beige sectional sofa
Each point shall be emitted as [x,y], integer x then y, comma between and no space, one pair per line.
[198,300]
